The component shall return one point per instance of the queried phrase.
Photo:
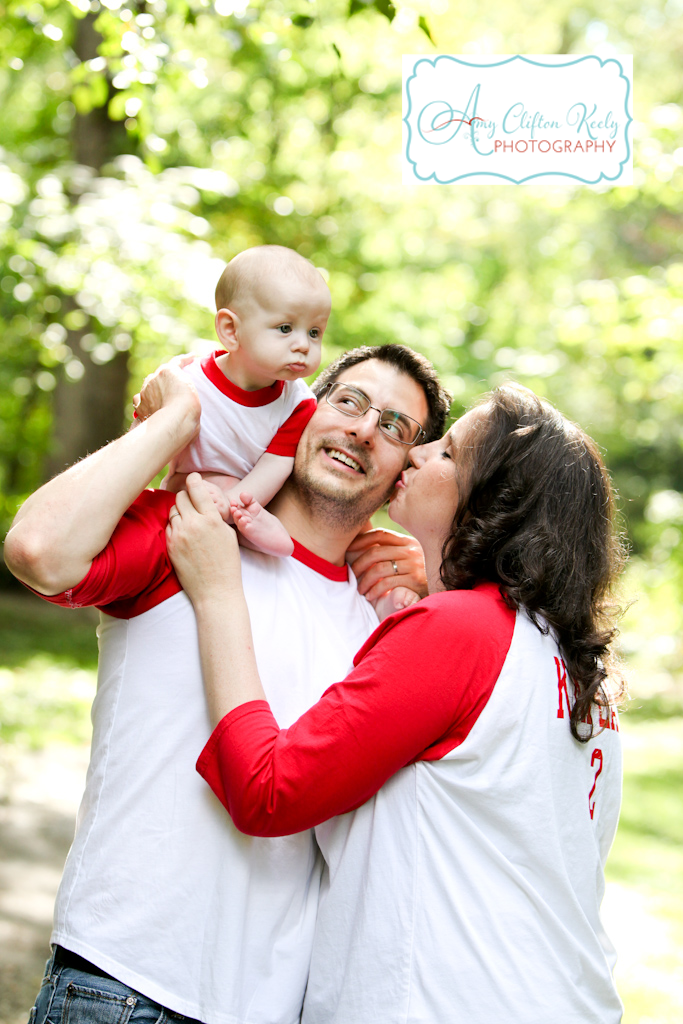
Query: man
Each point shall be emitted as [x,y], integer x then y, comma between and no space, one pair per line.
[165,910]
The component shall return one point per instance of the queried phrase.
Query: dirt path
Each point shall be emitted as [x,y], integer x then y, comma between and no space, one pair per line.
[39,795]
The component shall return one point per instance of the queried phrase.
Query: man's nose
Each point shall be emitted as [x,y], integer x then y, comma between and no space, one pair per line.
[364,428]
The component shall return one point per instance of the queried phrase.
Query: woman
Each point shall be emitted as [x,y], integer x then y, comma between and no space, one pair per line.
[468,770]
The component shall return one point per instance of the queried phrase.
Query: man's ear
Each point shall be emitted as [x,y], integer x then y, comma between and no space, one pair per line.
[227,326]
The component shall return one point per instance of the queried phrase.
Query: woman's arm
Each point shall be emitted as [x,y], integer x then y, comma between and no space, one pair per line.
[414,695]
[205,555]
[418,687]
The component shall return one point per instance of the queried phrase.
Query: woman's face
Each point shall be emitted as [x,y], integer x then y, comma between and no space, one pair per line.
[428,491]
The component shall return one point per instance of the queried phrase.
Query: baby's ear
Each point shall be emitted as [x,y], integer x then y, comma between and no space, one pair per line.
[227,324]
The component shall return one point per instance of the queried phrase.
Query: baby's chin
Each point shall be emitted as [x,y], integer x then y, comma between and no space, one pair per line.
[296,374]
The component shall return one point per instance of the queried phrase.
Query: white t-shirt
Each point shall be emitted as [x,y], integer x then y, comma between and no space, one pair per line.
[159,889]
[480,874]
[464,866]
[237,426]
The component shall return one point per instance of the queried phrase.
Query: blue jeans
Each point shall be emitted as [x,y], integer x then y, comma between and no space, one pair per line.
[68,996]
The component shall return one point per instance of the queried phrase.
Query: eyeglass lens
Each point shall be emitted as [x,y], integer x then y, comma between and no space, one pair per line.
[353,402]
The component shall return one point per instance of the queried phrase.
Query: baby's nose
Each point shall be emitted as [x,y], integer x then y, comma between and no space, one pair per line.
[301,342]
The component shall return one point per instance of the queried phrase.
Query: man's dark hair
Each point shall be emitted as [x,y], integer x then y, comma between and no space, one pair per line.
[405,360]
[537,517]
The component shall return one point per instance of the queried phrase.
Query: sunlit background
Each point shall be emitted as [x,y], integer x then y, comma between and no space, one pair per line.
[143,144]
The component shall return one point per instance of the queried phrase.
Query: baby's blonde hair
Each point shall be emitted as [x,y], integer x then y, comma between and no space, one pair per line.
[250,271]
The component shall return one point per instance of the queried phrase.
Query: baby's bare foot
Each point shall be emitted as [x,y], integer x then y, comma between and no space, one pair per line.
[258,529]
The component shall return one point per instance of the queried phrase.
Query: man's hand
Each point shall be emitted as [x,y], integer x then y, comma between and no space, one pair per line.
[374,555]
[62,527]
[166,387]
[219,486]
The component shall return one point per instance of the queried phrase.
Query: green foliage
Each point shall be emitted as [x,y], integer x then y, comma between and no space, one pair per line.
[233,124]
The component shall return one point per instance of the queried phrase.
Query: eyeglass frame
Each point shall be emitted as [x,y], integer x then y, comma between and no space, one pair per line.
[357,416]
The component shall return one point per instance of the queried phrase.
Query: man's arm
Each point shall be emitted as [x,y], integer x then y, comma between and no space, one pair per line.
[59,529]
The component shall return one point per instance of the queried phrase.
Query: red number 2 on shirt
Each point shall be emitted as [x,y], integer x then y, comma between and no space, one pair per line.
[595,759]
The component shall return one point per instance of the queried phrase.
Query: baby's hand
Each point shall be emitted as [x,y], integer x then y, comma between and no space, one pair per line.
[394,601]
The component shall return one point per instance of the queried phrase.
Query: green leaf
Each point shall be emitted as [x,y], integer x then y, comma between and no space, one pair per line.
[117,106]
[387,9]
[81,97]
[425,28]
[302,20]
[99,88]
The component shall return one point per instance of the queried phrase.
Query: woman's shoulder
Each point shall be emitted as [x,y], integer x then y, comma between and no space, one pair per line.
[449,619]
[485,601]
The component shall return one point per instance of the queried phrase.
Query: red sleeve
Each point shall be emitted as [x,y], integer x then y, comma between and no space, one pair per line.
[133,573]
[287,437]
[419,685]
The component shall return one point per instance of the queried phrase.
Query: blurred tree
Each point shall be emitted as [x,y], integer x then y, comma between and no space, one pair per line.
[87,412]
[235,123]
[85,84]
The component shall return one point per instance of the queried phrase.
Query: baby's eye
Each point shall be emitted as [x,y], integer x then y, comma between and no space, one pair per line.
[314,332]
[285,328]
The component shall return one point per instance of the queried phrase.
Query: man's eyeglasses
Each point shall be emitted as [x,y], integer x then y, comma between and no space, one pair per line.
[353,402]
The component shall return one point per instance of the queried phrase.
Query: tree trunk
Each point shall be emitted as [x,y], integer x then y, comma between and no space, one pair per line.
[89,412]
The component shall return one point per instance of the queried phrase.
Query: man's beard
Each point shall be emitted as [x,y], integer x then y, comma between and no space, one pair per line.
[328,501]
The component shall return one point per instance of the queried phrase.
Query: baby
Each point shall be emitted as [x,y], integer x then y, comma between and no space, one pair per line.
[273,307]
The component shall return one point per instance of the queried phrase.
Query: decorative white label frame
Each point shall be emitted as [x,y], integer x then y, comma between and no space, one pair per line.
[517,118]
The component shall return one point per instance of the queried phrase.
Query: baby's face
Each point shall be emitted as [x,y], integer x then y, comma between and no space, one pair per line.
[281,329]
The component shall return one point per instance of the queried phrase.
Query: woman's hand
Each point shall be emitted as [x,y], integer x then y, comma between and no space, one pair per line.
[205,555]
[203,550]
[374,555]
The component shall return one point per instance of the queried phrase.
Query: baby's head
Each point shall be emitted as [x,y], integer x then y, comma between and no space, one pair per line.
[273,307]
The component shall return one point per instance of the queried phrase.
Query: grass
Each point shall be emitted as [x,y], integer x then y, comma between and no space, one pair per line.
[48,658]
[643,909]
[48,662]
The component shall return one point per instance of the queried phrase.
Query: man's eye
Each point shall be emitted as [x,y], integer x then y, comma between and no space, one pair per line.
[285,328]
[395,426]
[348,402]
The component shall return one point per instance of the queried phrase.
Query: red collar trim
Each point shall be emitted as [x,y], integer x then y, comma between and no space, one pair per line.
[338,573]
[262,396]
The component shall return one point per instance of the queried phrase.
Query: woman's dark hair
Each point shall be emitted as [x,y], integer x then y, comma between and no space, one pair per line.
[537,517]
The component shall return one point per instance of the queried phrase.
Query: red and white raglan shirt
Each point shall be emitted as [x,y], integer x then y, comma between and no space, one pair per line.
[160,889]
[237,427]
[467,828]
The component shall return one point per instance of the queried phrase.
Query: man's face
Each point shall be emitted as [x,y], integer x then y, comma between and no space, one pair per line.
[346,462]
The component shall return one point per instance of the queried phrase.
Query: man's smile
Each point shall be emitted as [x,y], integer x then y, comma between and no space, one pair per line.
[343,458]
